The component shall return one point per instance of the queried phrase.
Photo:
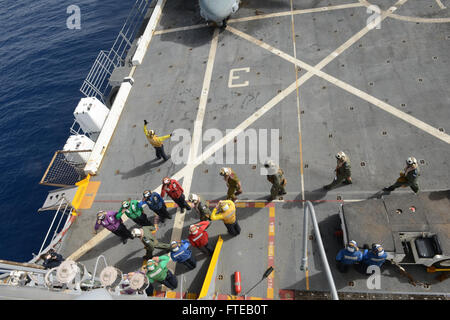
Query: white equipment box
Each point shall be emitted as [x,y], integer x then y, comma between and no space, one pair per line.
[78,143]
[91,114]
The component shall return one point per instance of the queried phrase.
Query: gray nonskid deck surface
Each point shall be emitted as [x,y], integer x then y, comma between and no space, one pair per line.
[385,63]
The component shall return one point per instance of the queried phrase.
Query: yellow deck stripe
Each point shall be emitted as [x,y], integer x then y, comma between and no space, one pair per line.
[211,268]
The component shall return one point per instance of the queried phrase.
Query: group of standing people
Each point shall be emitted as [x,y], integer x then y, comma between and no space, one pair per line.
[155,269]
[408,177]
[351,255]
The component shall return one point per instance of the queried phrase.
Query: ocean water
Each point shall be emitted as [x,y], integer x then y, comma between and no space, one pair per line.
[42,66]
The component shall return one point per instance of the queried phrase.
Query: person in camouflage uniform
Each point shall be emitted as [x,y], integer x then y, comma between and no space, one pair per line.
[409,176]
[343,171]
[233,183]
[201,207]
[275,176]
[149,241]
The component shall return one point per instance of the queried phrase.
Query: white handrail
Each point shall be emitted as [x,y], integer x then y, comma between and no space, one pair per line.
[309,207]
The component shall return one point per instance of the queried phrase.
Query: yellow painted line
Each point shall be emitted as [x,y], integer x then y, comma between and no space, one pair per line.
[307,279]
[79,195]
[271,212]
[271,230]
[171,294]
[300,146]
[240,205]
[170,204]
[191,296]
[271,250]
[89,195]
[211,268]
[260,204]
[270,293]
[86,192]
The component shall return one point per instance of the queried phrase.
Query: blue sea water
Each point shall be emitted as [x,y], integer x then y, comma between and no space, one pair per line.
[42,66]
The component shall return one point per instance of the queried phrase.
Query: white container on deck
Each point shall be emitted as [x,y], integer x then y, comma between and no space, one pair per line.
[78,143]
[91,114]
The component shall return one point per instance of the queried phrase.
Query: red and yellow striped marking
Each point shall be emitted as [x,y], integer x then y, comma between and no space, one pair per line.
[271,250]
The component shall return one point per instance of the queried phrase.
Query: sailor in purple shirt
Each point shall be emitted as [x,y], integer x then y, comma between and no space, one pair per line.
[109,221]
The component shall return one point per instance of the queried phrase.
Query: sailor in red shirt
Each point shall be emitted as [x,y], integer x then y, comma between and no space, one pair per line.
[198,237]
[175,191]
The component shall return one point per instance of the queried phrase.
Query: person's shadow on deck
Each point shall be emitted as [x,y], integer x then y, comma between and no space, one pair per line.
[142,169]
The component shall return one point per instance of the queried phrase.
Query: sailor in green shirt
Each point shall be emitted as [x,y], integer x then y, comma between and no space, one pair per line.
[149,240]
[133,211]
[157,271]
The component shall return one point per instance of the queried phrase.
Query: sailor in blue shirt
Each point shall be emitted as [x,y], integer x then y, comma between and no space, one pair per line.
[376,256]
[348,256]
[180,252]
[156,203]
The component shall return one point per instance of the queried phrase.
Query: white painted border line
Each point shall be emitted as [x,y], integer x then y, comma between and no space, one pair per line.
[193,27]
[347,87]
[408,18]
[148,33]
[279,97]
[440,4]
[196,138]
[265,16]
[297,12]
[103,140]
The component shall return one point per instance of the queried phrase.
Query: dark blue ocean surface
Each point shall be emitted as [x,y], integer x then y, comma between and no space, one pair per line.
[42,67]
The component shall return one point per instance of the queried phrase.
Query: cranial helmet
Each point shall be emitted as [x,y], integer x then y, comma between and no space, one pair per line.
[271,167]
[136,232]
[352,246]
[225,171]
[193,229]
[193,197]
[146,193]
[151,132]
[224,206]
[125,204]
[101,215]
[174,246]
[269,163]
[377,249]
[341,155]
[151,265]
[411,161]
[166,180]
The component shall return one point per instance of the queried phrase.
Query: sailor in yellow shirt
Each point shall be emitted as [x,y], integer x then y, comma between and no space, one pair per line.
[156,142]
[226,211]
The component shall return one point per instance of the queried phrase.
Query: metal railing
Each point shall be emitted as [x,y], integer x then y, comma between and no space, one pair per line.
[65,168]
[309,208]
[66,212]
[96,83]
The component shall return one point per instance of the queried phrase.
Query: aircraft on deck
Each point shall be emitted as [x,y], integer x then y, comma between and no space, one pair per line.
[217,12]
